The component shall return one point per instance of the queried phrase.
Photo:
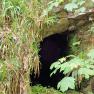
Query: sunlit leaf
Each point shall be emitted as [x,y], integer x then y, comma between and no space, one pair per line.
[66,83]
[76,43]
[81,2]
[86,72]
[81,10]
[55,65]
[70,6]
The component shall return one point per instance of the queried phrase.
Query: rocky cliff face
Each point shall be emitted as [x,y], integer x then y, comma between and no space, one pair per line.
[68,21]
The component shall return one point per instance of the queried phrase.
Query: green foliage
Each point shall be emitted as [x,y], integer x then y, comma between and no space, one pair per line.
[75,5]
[54,3]
[70,84]
[71,6]
[51,20]
[3,71]
[38,89]
[79,67]
[21,26]
[51,5]
[87,72]
[7,68]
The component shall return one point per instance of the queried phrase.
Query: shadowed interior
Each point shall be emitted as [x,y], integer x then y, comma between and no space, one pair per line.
[51,49]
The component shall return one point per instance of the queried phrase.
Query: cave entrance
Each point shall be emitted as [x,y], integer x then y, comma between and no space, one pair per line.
[51,49]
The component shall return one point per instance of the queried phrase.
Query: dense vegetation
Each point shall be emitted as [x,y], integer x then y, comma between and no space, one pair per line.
[22,24]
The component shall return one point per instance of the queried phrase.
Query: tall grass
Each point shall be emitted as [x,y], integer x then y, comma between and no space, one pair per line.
[21,25]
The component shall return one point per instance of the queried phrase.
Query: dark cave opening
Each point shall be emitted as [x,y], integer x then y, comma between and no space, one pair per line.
[51,49]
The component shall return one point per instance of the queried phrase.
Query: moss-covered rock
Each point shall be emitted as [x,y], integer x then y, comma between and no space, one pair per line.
[60,26]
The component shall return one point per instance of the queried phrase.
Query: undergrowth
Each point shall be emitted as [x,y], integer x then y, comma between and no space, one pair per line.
[38,89]
[44,90]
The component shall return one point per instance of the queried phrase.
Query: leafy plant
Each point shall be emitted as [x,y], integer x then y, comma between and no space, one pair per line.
[51,5]
[38,89]
[70,84]
[75,70]
[75,5]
